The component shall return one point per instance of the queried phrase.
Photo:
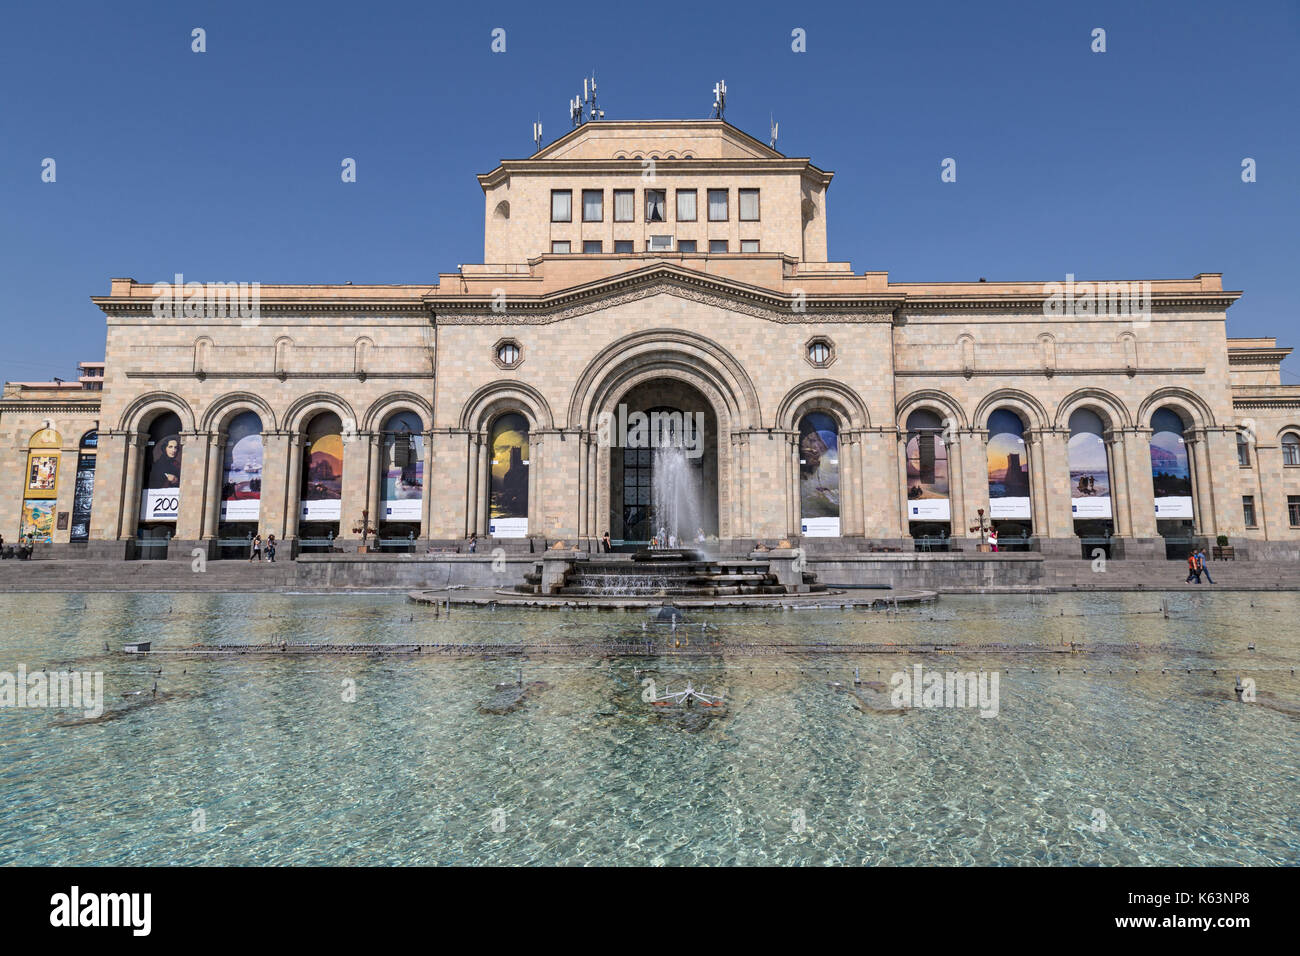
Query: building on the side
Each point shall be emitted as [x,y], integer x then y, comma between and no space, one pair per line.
[673,269]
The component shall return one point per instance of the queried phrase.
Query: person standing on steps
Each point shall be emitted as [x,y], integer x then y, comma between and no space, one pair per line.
[605,544]
[270,547]
[473,543]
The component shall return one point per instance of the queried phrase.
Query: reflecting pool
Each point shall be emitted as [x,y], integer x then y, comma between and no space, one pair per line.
[1124,756]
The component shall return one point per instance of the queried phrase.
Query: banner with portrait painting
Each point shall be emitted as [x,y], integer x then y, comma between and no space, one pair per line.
[508,487]
[402,467]
[160,495]
[819,475]
[241,476]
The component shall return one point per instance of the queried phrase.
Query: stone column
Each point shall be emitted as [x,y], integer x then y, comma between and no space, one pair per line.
[848,496]
[373,454]
[1139,485]
[900,467]
[216,463]
[484,486]
[273,509]
[1198,465]
[1050,476]
[293,487]
[794,505]
[583,486]
[974,492]
[431,463]
[1224,482]
[1117,470]
[471,483]
[592,517]
[194,466]
[356,462]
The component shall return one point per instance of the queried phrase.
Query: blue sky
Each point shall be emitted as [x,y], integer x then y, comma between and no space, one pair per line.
[225,165]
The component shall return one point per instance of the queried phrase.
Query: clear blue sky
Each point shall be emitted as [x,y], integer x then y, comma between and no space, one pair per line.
[225,165]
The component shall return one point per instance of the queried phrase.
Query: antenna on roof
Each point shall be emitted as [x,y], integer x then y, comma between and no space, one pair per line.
[575,111]
[589,97]
[775,127]
[537,134]
[719,99]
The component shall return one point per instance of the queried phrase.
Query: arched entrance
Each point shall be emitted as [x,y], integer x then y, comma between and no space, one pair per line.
[663,446]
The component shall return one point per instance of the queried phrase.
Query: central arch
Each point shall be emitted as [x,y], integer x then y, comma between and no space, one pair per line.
[663,464]
[663,369]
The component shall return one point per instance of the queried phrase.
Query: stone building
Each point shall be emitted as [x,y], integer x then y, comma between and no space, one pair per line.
[641,279]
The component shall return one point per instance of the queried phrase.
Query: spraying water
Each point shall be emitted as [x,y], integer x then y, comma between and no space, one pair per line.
[677,493]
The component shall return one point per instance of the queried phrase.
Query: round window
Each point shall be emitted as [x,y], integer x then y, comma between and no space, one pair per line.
[819,353]
[508,354]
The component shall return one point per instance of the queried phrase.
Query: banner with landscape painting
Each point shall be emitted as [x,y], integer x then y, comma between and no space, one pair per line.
[322,469]
[927,478]
[1171,475]
[1089,471]
[1008,467]
[241,485]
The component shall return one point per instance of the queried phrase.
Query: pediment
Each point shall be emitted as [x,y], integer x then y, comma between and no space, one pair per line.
[662,279]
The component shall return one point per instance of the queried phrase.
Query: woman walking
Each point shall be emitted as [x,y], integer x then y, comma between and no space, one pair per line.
[270,547]
[255,549]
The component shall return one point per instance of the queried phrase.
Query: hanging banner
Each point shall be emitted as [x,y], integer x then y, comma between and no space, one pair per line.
[83,497]
[160,497]
[1008,466]
[927,478]
[1170,474]
[819,476]
[403,468]
[241,485]
[322,469]
[1089,470]
[508,504]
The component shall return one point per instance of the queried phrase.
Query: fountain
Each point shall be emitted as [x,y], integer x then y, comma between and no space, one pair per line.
[677,493]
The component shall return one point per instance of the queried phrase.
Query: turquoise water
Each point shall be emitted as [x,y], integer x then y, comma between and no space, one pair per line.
[1089,768]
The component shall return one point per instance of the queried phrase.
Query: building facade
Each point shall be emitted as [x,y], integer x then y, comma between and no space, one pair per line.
[671,279]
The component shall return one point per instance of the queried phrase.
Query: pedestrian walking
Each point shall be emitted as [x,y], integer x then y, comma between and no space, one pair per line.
[1192,570]
[255,549]
[473,542]
[270,547]
[1202,566]
[605,544]
[993,539]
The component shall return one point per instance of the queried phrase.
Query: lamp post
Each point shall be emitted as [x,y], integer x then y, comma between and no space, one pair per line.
[982,526]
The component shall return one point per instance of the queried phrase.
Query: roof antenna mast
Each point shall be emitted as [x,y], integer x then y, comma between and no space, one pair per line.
[537,134]
[593,113]
[775,128]
[719,99]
